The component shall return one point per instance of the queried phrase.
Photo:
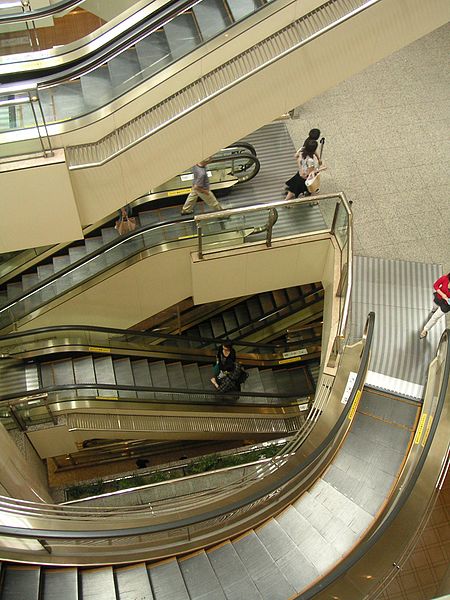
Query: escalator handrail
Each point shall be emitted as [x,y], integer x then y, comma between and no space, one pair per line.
[133,234]
[288,474]
[145,334]
[39,13]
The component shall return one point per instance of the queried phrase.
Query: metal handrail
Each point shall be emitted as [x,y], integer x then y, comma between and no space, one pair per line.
[232,506]
[218,81]
[40,13]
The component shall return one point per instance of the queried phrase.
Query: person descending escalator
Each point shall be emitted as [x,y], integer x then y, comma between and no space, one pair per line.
[228,373]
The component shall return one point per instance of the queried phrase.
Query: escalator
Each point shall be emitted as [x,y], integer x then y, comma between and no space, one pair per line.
[129,386]
[230,166]
[309,546]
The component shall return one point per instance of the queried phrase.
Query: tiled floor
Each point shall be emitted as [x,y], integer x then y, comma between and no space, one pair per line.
[388,147]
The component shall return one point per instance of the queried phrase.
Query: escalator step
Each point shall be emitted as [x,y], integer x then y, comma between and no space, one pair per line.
[97,584]
[132,583]
[158,373]
[60,583]
[47,374]
[124,376]
[230,321]
[212,17]
[182,34]
[206,373]
[141,373]
[293,294]
[242,8]
[254,382]
[268,381]
[45,271]
[76,253]
[199,577]
[254,308]
[125,70]
[242,315]
[84,373]
[280,298]
[176,375]
[29,280]
[97,88]
[218,327]
[267,303]
[193,377]
[63,372]
[153,53]
[231,573]
[108,234]
[13,290]
[66,100]
[104,370]
[93,244]
[21,582]
[149,217]
[167,581]
[205,330]
[61,262]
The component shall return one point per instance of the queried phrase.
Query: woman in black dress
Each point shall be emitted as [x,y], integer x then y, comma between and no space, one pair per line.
[306,160]
[225,362]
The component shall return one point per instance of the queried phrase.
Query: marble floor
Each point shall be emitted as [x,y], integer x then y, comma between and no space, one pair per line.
[388,148]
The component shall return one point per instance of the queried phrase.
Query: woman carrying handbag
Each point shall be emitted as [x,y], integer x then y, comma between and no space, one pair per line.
[126,222]
[441,303]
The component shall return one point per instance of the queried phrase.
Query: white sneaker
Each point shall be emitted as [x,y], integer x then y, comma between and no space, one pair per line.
[423,334]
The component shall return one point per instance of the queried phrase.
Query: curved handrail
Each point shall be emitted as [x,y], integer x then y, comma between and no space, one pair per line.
[269,484]
[39,13]
[391,511]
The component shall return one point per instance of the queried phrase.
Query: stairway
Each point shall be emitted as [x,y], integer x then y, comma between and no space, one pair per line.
[275,561]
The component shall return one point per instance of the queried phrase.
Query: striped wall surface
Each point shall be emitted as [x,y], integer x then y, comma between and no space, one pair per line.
[400,294]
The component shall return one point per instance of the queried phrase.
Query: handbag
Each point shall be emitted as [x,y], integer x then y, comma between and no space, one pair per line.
[125,225]
[443,304]
[313,180]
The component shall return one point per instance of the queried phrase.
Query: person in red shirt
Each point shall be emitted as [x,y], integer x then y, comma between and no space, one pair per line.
[442,302]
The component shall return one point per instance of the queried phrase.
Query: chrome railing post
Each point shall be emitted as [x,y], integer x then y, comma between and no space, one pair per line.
[35,99]
[200,241]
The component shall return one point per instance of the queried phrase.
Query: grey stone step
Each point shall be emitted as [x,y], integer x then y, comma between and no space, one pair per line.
[182,35]
[21,582]
[132,583]
[167,581]
[212,17]
[232,574]
[60,584]
[124,376]
[262,569]
[153,53]
[97,584]
[125,70]
[200,579]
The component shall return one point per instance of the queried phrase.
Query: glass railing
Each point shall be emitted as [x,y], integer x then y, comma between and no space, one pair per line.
[164,39]
[211,232]
[186,518]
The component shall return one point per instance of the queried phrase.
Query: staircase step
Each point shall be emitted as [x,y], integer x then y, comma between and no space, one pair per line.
[97,88]
[60,262]
[93,243]
[218,327]
[13,290]
[149,217]
[66,100]
[160,378]
[132,583]
[167,581]
[206,373]
[293,294]
[268,381]
[97,584]
[29,280]
[153,53]
[205,330]
[254,382]
[262,568]
[279,298]
[45,271]
[267,303]
[108,234]
[199,577]
[124,376]
[230,321]
[21,582]
[104,373]
[60,583]
[242,315]
[254,309]
[232,574]
[76,253]
[63,372]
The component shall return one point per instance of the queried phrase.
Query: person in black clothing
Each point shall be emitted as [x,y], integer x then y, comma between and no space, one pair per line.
[225,363]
